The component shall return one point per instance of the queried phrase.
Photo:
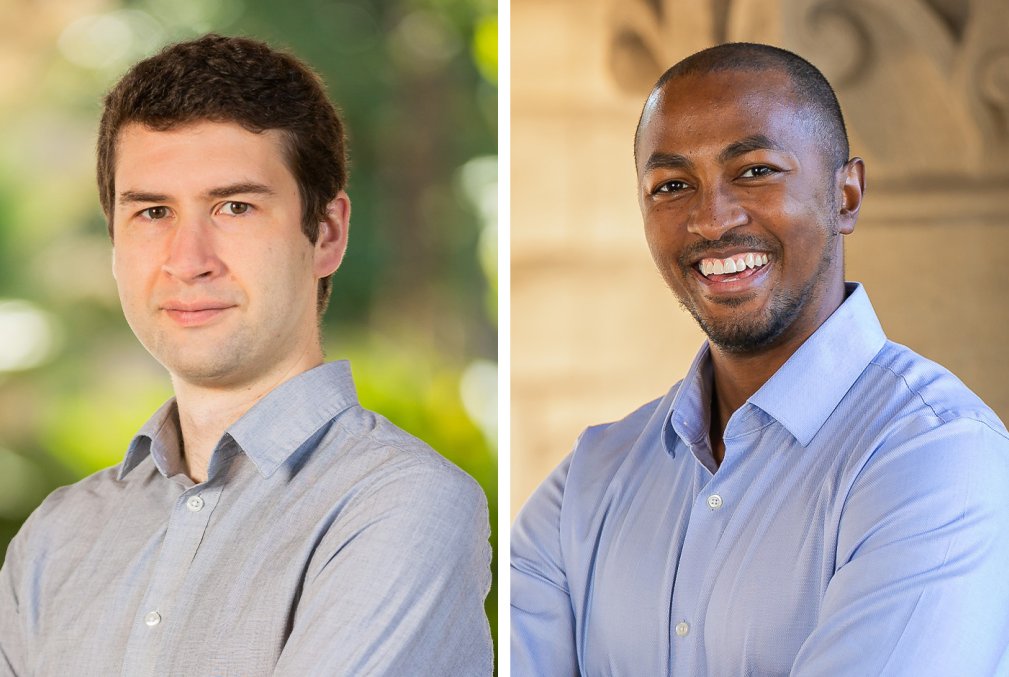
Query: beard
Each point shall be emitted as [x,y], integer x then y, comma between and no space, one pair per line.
[748,333]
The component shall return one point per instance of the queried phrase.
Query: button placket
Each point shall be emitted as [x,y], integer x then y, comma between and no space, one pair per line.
[186,529]
[707,520]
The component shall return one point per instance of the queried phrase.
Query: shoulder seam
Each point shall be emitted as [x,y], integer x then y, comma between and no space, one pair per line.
[409,458]
[944,418]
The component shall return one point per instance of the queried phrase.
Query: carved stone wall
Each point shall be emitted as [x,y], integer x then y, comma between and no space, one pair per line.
[924,85]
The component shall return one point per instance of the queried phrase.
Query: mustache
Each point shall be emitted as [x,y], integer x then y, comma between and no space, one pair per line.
[708,248]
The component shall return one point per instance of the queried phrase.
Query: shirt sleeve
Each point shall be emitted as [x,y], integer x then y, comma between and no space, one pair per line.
[921,584]
[542,619]
[398,583]
[12,649]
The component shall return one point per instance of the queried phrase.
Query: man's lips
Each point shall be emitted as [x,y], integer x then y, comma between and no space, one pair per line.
[195,314]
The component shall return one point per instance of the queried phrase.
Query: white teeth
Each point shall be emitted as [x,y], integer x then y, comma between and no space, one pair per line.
[731,265]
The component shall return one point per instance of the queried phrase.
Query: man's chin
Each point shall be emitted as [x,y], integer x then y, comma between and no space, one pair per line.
[741,332]
[735,338]
[216,371]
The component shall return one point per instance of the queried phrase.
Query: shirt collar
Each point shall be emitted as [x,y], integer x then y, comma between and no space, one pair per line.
[809,386]
[272,430]
[159,438]
[690,411]
[802,394]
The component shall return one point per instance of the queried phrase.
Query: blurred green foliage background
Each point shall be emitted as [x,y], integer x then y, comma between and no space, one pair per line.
[414,305]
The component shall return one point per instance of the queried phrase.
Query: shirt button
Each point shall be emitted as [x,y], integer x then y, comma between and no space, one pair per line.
[195,504]
[714,501]
[152,618]
[682,628]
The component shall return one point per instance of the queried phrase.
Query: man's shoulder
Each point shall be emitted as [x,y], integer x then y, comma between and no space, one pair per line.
[94,488]
[385,478]
[928,390]
[908,415]
[606,445]
[69,509]
[383,453]
[634,422]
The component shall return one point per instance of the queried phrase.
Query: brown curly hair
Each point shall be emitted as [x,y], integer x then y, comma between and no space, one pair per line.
[233,79]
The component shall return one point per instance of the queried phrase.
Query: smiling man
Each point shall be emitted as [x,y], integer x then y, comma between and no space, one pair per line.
[261,522]
[811,499]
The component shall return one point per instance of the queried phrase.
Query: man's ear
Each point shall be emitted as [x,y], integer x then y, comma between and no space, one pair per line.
[331,242]
[852,187]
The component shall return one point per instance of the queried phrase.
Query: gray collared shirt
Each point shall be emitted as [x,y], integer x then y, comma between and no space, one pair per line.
[325,541]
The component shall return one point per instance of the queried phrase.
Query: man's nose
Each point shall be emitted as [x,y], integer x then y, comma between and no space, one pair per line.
[715,213]
[192,254]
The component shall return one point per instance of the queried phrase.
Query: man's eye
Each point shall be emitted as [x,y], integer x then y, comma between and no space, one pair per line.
[671,187]
[758,171]
[155,213]
[235,208]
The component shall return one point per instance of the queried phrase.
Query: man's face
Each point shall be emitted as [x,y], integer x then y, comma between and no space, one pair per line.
[740,209]
[215,276]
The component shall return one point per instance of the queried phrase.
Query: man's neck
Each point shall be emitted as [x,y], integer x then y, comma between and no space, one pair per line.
[206,411]
[737,376]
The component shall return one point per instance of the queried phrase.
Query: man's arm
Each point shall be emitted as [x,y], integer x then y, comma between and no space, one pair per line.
[398,583]
[542,619]
[12,649]
[922,584]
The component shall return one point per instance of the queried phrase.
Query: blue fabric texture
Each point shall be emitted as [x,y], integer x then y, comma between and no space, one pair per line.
[858,525]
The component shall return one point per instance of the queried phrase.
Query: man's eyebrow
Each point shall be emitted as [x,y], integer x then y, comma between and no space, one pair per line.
[660,160]
[750,143]
[131,196]
[245,187]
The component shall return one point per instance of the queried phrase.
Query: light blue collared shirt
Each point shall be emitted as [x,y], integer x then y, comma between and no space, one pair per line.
[858,525]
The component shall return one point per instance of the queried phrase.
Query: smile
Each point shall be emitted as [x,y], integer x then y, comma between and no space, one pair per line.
[737,263]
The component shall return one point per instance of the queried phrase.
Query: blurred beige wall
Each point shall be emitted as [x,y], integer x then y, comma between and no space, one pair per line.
[924,85]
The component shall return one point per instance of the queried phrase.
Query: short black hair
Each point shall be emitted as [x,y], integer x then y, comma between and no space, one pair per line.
[809,86]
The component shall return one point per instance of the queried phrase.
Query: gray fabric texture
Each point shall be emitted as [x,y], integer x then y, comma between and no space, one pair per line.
[325,541]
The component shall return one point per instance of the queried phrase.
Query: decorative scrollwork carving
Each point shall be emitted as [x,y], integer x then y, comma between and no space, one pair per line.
[918,79]
[993,94]
[994,78]
[648,36]
[836,34]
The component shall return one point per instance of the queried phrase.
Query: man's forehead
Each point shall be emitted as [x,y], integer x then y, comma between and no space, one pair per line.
[155,130]
[202,138]
[207,158]
[740,102]
[726,86]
